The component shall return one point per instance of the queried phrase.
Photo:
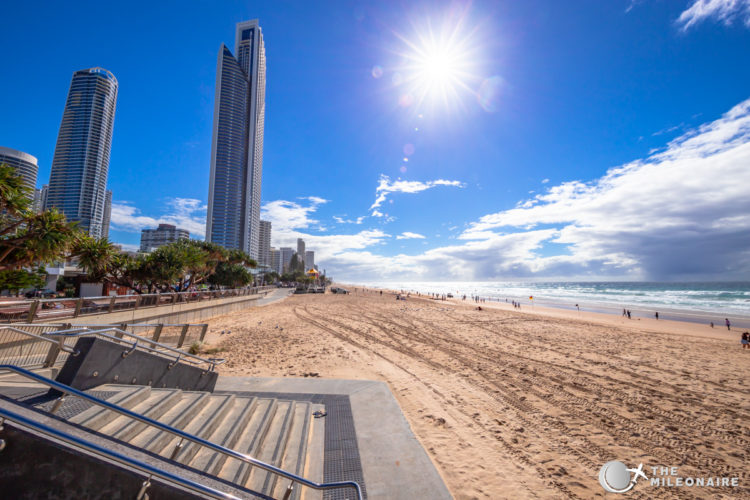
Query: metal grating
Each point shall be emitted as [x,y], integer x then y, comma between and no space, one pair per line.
[72,405]
[341,460]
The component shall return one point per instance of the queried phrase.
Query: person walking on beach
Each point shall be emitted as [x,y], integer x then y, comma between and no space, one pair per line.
[726,322]
[745,340]
[657,315]
[624,312]
[628,311]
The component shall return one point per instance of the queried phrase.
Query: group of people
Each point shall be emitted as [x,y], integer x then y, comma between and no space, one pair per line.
[626,312]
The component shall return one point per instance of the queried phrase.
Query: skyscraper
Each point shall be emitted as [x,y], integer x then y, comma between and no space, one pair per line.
[285,257]
[301,249]
[264,245]
[275,257]
[309,259]
[233,219]
[78,180]
[24,164]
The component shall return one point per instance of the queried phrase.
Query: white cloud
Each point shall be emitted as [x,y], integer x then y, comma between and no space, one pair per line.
[409,235]
[289,220]
[287,215]
[341,220]
[386,186]
[128,247]
[682,213]
[726,11]
[185,213]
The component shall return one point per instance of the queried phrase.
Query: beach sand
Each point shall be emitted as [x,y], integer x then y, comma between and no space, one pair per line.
[521,404]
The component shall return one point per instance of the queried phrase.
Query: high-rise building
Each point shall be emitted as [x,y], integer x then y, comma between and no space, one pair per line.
[107,213]
[78,181]
[25,165]
[285,257]
[301,248]
[309,259]
[275,259]
[233,219]
[152,239]
[264,243]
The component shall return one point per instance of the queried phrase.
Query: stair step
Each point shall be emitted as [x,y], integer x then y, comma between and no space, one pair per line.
[252,437]
[313,469]
[272,448]
[127,396]
[227,434]
[295,453]
[179,416]
[202,426]
[158,402]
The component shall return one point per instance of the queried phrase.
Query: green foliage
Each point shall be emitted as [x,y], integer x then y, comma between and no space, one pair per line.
[230,275]
[95,256]
[27,239]
[18,279]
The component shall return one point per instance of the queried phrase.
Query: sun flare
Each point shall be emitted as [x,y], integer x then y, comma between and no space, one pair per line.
[438,65]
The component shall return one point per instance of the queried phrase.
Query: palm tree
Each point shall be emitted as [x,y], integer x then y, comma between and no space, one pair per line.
[38,239]
[95,256]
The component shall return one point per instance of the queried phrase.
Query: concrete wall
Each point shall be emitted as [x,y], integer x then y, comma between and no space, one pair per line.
[195,312]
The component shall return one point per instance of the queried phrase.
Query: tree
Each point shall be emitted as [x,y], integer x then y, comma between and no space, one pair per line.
[95,256]
[28,239]
[230,275]
[18,279]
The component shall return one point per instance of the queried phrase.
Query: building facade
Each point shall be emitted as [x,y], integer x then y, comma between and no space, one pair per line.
[78,180]
[233,219]
[285,256]
[309,260]
[152,239]
[24,164]
[301,248]
[107,213]
[275,259]
[264,243]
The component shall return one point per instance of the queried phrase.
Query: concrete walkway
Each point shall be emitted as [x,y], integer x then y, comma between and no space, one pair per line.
[394,464]
[274,296]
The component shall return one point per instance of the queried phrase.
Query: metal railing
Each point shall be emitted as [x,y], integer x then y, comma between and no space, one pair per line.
[29,310]
[184,436]
[156,347]
[174,334]
[112,455]
[29,346]
[23,348]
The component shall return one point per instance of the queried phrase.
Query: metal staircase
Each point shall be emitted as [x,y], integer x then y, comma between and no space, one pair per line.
[248,446]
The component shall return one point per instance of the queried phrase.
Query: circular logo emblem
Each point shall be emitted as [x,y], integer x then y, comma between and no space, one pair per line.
[614,477]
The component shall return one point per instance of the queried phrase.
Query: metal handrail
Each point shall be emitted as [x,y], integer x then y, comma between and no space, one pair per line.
[62,347]
[83,331]
[79,306]
[184,435]
[115,456]
[252,291]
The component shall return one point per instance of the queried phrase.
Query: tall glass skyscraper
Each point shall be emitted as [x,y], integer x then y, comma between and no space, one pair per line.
[78,180]
[233,219]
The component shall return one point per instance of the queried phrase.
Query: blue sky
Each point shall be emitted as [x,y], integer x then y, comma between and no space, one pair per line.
[556,140]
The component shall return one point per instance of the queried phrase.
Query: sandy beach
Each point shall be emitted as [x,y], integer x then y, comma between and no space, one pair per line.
[521,404]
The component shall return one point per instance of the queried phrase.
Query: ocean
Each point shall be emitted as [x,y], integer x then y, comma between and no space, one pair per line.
[691,301]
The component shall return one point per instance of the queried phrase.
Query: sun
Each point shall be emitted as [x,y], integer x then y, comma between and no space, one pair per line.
[439,64]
